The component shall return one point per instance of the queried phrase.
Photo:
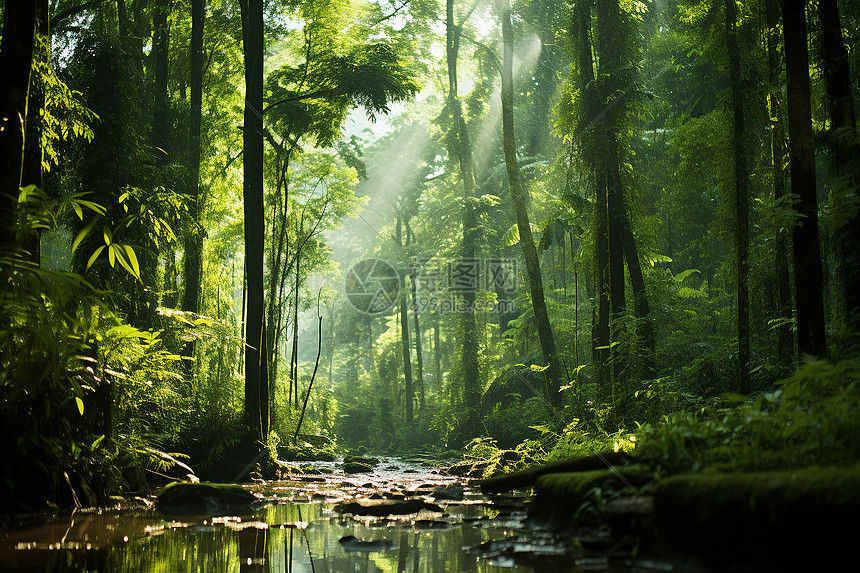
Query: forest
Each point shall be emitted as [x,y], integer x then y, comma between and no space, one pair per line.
[498,233]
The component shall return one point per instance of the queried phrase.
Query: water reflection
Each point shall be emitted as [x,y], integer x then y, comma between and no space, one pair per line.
[283,538]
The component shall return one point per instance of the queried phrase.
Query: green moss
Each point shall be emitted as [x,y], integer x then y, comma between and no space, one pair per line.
[760,516]
[565,493]
[204,497]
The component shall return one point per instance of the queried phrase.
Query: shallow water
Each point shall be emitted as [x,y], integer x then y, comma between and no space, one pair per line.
[296,529]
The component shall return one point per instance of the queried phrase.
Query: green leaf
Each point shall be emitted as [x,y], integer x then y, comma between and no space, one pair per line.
[94,256]
[107,235]
[83,233]
[111,254]
[132,259]
[684,274]
[80,405]
[512,236]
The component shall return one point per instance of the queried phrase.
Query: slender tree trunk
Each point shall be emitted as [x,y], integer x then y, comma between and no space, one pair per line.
[294,356]
[644,322]
[437,355]
[784,333]
[419,354]
[194,241]
[407,354]
[741,200]
[519,200]
[32,170]
[16,59]
[807,251]
[461,149]
[256,363]
[846,154]
[160,46]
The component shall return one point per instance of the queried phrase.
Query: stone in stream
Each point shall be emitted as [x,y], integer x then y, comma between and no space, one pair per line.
[452,492]
[203,497]
[357,467]
[383,507]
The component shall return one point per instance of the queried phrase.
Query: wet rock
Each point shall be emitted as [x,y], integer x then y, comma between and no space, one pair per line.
[357,467]
[353,459]
[203,497]
[452,492]
[383,507]
[350,543]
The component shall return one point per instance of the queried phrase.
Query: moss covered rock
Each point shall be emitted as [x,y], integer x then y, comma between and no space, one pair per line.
[806,518]
[564,493]
[204,497]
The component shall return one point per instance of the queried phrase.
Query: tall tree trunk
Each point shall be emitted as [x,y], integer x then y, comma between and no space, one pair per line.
[160,46]
[742,237]
[807,251]
[256,363]
[642,310]
[437,354]
[784,332]
[581,33]
[294,355]
[32,170]
[519,201]
[419,354]
[407,353]
[194,241]
[16,60]
[846,155]
[463,152]
[611,90]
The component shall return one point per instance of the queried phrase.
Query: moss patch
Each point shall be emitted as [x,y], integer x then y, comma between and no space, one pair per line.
[810,515]
[564,493]
[203,497]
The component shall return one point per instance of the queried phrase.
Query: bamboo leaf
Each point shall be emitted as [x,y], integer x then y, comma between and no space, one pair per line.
[94,256]
[83,233]
[132,259]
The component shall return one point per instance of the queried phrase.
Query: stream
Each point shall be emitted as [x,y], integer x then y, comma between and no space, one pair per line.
[296,527]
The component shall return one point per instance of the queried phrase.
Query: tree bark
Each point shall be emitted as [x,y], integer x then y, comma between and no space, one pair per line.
[16,59]
[644,322]
[460,146]
[581,33]
[519,201]
[741,201]
[807,251]
[846,154]
[406,351]
[32,169]
[194,241]
[419,354]
[611,90]
[256,364]
[784,332]
[160,46]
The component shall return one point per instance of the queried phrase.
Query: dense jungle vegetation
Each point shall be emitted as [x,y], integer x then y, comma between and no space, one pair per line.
[515,230]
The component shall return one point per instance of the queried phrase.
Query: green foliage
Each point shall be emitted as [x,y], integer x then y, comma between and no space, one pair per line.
[812,419]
